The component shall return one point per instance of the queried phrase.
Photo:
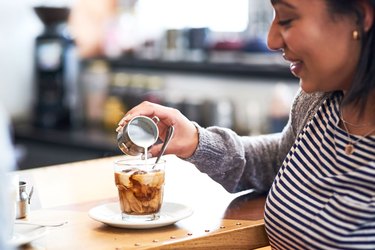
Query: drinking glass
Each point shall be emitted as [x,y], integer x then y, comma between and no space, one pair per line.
[140,185]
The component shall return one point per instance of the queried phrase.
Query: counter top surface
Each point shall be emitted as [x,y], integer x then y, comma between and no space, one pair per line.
[67,192]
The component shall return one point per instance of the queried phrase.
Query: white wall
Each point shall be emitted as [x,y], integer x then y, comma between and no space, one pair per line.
[18,29]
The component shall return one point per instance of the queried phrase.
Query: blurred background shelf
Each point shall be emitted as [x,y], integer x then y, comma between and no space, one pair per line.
[38,147]
[263,69]
[86,63]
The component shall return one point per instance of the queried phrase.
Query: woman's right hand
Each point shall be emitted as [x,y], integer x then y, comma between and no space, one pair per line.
[185,138]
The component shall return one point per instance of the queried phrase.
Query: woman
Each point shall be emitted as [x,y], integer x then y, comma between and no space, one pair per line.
[319,172]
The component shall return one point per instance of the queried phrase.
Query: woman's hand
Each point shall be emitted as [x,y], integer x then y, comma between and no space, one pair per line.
[185,138]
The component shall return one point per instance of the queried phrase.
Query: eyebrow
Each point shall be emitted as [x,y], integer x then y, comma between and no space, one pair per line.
[282,2]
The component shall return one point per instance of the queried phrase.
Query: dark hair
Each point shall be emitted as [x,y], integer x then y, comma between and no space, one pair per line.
[364,79]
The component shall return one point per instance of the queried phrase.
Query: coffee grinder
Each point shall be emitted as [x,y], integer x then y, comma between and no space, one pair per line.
[56,70]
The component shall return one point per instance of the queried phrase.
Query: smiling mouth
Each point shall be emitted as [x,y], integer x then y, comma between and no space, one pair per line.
[296,68]
[295,65]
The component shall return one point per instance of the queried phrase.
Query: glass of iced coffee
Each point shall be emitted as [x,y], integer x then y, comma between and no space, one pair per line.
[140,185]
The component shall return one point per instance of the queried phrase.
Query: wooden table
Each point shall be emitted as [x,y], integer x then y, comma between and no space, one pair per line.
[67,192]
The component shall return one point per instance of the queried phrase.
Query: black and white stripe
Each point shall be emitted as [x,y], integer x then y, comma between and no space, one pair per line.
[323,198]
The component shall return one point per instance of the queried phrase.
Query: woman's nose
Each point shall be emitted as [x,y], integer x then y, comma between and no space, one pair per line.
[274,39]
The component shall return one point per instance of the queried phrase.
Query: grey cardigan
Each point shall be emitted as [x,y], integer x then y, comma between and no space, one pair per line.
[245,162]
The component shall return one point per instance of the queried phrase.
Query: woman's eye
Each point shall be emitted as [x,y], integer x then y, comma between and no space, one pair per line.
[284,22]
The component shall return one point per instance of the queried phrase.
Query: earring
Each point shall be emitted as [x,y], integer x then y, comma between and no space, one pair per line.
[355,35]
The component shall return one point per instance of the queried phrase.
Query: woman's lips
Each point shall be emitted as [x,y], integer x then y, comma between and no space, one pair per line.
[296,67]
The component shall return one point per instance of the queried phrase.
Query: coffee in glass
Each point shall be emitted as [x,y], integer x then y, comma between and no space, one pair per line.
[140,185]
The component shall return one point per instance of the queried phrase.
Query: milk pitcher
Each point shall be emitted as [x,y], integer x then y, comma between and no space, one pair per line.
[138,135]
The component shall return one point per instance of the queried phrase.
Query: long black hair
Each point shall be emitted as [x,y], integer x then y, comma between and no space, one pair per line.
[364,79]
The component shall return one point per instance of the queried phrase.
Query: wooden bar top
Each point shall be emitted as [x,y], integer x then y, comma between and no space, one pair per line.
[67,192]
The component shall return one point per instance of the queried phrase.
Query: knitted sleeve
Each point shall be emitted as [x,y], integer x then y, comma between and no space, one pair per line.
[245,162]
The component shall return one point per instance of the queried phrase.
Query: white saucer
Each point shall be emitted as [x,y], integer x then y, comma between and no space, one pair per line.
[110,214]
[24,234]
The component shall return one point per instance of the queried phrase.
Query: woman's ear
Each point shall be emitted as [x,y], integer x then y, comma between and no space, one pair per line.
[368,14]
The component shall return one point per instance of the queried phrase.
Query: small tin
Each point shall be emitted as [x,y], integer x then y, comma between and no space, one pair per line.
[23,202]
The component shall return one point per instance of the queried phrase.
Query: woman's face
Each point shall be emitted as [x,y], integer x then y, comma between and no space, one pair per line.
[321,48]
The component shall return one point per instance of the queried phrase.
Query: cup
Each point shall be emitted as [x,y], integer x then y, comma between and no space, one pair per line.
[140,185]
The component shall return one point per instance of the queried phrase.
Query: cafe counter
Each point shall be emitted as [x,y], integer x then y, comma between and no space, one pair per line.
[69,193]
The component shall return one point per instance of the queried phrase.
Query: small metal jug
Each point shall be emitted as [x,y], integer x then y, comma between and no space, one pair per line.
[23,203]
[138,135]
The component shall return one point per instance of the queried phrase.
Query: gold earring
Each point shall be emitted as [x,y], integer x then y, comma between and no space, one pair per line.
[355,35]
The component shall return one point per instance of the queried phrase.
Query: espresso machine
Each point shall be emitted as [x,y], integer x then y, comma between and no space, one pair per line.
[56,70]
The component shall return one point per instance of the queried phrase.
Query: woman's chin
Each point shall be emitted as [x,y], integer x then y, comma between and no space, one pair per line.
[307,87]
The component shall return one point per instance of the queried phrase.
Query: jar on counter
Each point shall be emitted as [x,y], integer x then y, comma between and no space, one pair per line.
[96,79]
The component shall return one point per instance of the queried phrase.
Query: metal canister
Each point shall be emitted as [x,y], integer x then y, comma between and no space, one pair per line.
[23,203]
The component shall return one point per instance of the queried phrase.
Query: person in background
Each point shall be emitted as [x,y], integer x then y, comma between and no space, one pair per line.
[319,172]
[7,164]
[88,22]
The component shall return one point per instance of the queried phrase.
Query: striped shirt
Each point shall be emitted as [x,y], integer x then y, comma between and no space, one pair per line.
[323,198]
